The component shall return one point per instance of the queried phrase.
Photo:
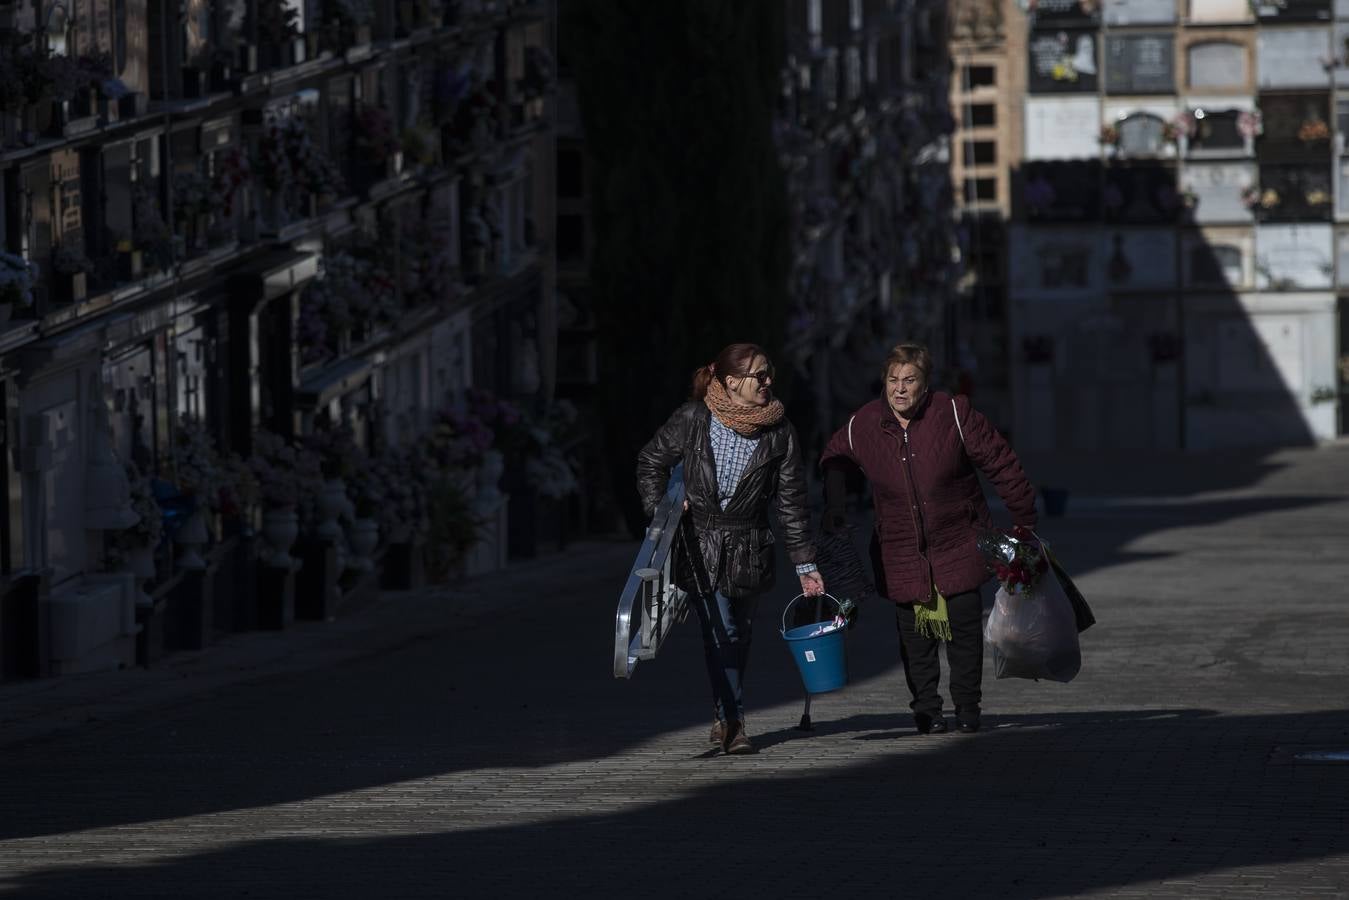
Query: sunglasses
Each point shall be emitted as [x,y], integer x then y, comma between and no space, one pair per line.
[760,376]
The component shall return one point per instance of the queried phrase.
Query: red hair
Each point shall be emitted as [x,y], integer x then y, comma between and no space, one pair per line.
[734,359]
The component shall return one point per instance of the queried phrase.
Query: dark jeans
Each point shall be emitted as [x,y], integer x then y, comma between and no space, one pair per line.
[728,624]
[964,652]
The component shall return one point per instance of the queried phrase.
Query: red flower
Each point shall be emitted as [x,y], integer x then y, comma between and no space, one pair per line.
[1022,533]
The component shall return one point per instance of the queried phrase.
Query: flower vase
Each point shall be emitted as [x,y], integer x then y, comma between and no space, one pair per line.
[280,528]
[363,538]
[191,537]
[332,502]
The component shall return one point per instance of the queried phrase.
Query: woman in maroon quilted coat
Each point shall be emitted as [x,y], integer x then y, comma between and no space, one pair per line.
[920,450]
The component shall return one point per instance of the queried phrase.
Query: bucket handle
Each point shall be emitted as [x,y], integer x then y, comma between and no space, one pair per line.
[789,606]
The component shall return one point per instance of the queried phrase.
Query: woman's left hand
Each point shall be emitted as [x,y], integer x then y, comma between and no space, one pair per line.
[812,584]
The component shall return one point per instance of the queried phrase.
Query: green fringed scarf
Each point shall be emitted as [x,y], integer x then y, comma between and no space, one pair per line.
[931,619]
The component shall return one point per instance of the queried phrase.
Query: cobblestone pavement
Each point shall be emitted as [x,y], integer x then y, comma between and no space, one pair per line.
[473,743]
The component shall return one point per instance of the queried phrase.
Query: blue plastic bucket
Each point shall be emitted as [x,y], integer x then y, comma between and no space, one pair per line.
[821,658]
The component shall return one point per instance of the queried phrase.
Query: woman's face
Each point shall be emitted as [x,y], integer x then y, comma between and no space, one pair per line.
[905,388]
[753,389]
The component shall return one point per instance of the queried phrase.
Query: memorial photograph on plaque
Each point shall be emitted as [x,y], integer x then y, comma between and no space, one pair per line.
[1141,193]
[1140,64]
[1061,190]
[1216,65]
[1062,62]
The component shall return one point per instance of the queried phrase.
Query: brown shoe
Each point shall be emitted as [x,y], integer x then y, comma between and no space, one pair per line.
[736,740]
[718,732]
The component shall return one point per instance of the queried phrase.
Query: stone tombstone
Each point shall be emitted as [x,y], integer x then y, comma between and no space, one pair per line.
[1260,353]
[1062,61]
[1141,193]
[1140,12]
[1294,257]
[1217,188]
[1212,11]
[1342,179]
[1342,259]
[1065,13]
[1141,134]
[1140,64]
[1061,190]
[1292,57]
[1139,259]
[1217,64]
[1214,265]
[1063,128]
[1292,10]
[1051,262]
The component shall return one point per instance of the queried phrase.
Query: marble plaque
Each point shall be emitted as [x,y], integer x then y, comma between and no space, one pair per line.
[1139,12]
[1217,190]
[1139,259]
[1062,62]
[1294,257]
[1210,11]
[1063,128]
[1140,64]
[1292,57]
[1218,64]
[1260,352]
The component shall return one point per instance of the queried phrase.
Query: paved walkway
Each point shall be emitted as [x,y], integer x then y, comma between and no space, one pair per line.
[473,743]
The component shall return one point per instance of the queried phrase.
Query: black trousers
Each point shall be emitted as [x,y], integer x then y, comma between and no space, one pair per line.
[964,653]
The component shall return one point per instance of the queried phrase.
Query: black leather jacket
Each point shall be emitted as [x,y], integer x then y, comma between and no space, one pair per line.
[737,542]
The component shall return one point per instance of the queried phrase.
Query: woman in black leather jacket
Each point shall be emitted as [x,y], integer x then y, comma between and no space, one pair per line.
[740,454]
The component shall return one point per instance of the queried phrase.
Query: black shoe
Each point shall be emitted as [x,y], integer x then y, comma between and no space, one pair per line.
[967,719]
[930,724]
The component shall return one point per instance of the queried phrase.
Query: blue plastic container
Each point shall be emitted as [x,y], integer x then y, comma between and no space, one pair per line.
[822,658]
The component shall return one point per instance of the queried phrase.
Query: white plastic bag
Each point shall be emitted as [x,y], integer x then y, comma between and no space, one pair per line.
[1033,633]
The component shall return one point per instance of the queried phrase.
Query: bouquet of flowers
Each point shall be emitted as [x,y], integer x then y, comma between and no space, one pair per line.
[1032,628]
[1016,559]
[196,463]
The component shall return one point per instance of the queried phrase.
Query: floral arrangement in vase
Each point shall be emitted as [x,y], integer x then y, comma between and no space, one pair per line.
[1250,123]
[17,277]
[233,173]
[1109,136]
[1313,130]
[285,474]
[1182,125]
[196,464]
[69,259]
[375,137]
[149,528]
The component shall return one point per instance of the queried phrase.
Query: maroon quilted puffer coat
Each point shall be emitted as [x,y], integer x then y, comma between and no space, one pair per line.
[929,507]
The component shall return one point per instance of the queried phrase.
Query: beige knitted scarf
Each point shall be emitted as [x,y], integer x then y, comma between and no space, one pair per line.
[745,420]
